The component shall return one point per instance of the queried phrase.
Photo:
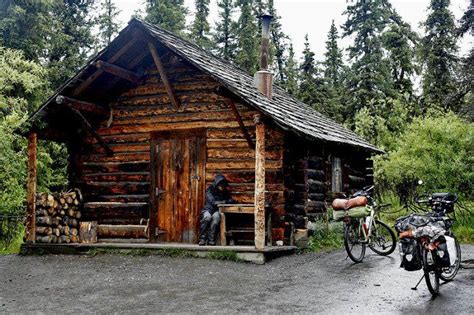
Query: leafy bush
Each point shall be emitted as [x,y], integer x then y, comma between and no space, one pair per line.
[437,149]
[327,236]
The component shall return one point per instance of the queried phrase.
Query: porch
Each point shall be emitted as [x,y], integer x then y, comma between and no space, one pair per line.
[242,253]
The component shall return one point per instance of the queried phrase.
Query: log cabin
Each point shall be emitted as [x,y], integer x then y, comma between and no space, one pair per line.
[151,119]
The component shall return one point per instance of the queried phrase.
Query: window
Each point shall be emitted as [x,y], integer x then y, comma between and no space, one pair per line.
[336,174]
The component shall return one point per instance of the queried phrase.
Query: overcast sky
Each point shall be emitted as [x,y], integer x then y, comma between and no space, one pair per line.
[314,17]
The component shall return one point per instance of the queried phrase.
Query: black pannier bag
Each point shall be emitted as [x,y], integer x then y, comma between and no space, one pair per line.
[441,254]
[410,254]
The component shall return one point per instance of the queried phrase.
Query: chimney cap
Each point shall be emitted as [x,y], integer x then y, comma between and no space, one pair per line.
[265,16]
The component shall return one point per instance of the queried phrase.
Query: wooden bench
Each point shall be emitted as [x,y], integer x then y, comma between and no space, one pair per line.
[248,209]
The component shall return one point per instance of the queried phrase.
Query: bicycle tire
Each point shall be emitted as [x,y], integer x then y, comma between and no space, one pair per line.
[393,239]
[431,275]
[449,276]
[351,238]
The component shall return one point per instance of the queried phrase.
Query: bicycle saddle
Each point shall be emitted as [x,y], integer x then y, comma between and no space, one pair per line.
[346,204]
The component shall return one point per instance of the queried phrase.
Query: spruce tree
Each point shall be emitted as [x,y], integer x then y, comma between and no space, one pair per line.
[291,72]
[333,63]
[73,42]
[168,14]
[24,25]
[307,88]
[333,76]
[400,56]
[439,54]
[247,38]
[108,25]
[280,44]
[224,36]
[200,27]
[370,81]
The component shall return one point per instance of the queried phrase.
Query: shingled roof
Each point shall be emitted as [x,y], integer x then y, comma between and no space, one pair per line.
[286,111]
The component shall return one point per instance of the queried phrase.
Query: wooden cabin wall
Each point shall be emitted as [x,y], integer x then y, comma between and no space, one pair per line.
[308,175]
[124,178]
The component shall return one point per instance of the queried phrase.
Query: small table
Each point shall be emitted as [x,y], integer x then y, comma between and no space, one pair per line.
[242,209]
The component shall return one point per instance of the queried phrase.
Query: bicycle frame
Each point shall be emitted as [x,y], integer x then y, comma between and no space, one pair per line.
[366,234]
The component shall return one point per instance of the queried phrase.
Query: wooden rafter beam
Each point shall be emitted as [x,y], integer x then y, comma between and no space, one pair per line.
[228,95]
[135,61]
[164,77]
[119,72]
[81,105]
[96,74]
[241,125]
[91,130]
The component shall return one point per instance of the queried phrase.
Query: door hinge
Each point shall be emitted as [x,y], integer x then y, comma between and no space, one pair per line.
[159,192]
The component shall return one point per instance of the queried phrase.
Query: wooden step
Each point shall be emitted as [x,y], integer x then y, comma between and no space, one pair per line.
[122,231]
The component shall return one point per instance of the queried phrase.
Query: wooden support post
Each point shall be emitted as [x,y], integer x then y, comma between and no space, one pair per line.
[119,72]
[31,188]
[81,105]
[164,77]
[259,183]
[89,128]
[241,124]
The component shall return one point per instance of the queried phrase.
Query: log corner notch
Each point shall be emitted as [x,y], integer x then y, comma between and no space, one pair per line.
[164,77]
[31,188]
[259,183]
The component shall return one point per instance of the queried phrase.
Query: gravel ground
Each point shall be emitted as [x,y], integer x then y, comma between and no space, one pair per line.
[308,283]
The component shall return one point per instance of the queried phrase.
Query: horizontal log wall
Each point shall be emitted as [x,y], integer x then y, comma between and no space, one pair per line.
[116,188]
[308,175]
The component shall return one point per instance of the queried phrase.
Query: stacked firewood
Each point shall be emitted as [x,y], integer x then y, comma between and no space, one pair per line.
[58,217]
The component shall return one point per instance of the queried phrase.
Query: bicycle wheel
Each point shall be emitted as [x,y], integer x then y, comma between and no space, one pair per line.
[383,241]
[352,242]
[431,273]
[448,274]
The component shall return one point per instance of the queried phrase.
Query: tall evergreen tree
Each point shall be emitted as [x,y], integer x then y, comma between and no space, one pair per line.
[247,39]
[168,14]
[280,44]
[401,54]
[70,47]
[224,36]
[333,76]
[308,71]
[200,27]
[333,63]
[369,83]
[108,25]
[439,54]
[291,72]
[24,25]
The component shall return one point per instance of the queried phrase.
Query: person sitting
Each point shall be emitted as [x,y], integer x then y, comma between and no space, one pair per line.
[216,194]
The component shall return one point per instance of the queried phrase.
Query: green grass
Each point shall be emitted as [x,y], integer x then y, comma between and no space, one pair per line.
[224,255]
[327,236]
[13,246]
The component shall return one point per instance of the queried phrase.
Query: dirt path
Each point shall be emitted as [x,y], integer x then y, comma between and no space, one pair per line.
[304,283]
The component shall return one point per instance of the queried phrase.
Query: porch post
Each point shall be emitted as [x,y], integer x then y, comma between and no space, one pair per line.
[259,183]
[31,189]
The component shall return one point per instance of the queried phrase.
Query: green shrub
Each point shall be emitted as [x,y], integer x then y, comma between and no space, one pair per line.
[327,236]
[439,149]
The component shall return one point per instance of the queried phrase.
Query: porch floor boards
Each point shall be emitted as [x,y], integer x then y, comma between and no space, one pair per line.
[245,253]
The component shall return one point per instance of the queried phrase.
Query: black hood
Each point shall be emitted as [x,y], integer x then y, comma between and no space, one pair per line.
[220,180]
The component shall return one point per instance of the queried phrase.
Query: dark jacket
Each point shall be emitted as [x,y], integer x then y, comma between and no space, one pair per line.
[214,196]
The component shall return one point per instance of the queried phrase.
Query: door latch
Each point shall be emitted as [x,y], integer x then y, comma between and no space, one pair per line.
[159,192]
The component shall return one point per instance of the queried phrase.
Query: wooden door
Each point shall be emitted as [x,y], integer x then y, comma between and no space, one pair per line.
[178,167]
